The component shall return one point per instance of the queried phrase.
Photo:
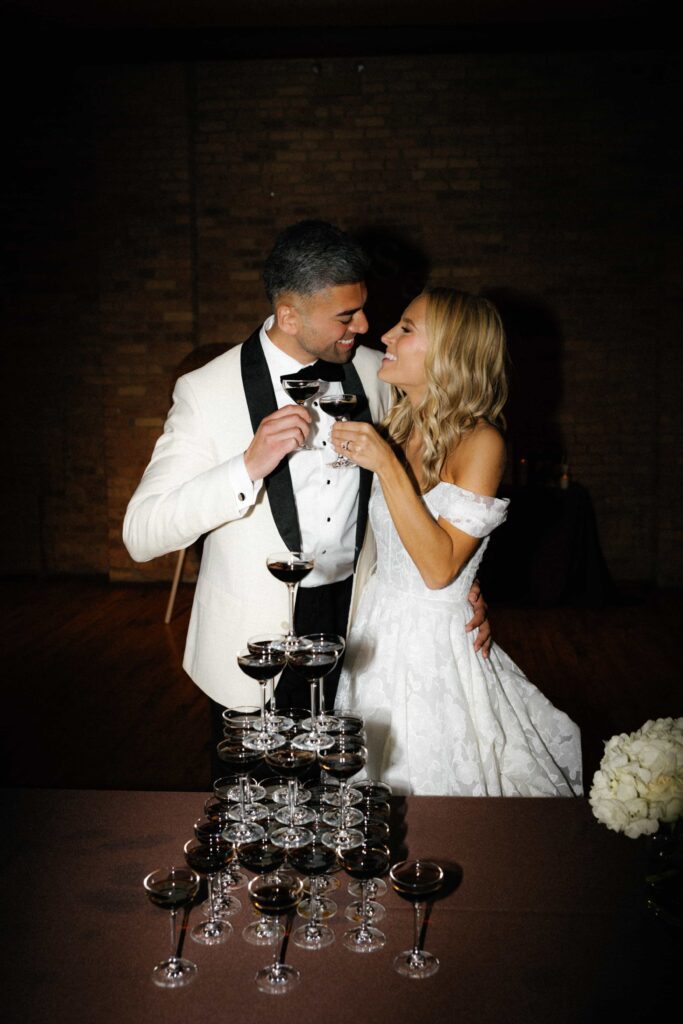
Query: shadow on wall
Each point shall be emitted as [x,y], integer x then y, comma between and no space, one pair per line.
[536,445]
[548,551]
[398,272]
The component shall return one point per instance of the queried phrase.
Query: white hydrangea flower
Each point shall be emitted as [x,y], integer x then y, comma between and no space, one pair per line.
[640,780]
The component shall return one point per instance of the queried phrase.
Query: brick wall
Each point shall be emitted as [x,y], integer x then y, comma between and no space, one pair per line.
[147,197]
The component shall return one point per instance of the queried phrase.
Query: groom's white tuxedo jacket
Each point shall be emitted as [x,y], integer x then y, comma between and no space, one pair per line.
[186,491]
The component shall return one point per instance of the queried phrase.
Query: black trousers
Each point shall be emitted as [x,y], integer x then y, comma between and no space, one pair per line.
[317,610]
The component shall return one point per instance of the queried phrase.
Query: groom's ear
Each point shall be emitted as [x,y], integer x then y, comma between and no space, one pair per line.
[287,317]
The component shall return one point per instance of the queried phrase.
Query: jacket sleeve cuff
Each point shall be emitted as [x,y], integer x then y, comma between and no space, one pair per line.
[245,491]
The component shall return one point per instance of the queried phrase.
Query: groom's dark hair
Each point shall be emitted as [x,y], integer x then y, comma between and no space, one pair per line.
[311,256]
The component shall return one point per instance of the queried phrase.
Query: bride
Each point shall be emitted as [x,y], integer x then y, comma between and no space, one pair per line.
[440,718]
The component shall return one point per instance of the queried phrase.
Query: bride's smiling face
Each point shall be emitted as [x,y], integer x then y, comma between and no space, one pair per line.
[404,362]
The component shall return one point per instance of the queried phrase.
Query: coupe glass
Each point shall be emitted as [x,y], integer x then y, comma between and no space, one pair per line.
[263,666]
[301,391]
[292,763]
[344,723]
[349,816]
[377,833]
[340,407]
[227,791]
[239,761]
[347,723]
[170,889]
[277,791]
[209,830]
[266,642]
[208,859]
[238,722]
[363,863]
[274,895]
[324,644]
[375,830]
[317,889]
[331,795]
[416,881]
[313,861]
[374,792]
[314,664]
[290,567]
[219,810]
[262,858]
[343,760]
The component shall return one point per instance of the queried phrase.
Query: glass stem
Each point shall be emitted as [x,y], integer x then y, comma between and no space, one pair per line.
[417,923]
[342,805]
[313,920]
[279,957]
[209,882]
[228,875]
[174,951]
[291,798]
[243,782]
[344,459]
[263,709]
[314,720]
[364,906]
[291,587]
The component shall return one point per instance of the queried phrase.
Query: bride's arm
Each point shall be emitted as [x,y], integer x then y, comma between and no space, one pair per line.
[438,549]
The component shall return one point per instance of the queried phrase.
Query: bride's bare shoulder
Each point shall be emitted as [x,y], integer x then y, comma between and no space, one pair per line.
[478,460]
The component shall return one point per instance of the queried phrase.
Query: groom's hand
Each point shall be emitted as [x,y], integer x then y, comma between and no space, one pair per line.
[277,435]
[483,640]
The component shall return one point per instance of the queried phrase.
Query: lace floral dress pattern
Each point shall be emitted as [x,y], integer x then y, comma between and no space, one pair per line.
[440,719]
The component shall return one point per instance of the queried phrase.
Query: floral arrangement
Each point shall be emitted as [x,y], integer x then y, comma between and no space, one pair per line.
[640,780]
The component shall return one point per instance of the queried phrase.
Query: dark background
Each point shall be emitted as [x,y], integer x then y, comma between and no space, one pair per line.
[153,152]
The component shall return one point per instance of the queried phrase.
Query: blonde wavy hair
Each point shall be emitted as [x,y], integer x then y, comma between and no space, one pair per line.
[466,379]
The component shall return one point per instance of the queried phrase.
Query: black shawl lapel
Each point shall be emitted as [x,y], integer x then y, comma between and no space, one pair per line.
[258,391]
[353,385]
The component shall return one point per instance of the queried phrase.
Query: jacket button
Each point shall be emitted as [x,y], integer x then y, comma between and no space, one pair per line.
[240,497]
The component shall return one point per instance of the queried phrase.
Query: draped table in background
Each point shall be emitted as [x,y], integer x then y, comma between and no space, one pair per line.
[546,925]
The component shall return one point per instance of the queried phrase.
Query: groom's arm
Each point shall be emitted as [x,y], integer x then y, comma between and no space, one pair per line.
[480,620]
[186,491]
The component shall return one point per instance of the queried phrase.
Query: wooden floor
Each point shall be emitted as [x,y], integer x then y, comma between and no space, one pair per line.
[94,695]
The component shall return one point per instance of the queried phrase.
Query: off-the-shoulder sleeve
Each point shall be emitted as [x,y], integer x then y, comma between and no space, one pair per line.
[474,514]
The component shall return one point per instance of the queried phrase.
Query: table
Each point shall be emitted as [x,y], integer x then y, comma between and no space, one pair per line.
[546,924]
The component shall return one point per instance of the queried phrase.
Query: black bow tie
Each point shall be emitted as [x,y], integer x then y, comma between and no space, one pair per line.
[320,370]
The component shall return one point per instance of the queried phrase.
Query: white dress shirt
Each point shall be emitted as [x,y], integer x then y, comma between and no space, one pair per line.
[326,498]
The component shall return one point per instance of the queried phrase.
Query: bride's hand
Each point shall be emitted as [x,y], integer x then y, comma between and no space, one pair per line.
[361,443]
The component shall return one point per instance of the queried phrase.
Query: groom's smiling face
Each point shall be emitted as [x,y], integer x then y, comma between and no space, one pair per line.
[324,325]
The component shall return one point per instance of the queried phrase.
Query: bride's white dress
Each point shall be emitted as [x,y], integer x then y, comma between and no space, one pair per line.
[440,719]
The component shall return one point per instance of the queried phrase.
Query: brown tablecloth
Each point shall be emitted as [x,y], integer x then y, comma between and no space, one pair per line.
[546,925]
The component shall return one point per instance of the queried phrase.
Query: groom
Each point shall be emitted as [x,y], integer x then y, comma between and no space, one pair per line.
[221,468]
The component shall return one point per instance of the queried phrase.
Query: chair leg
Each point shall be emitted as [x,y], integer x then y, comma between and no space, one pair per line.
[174,586]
